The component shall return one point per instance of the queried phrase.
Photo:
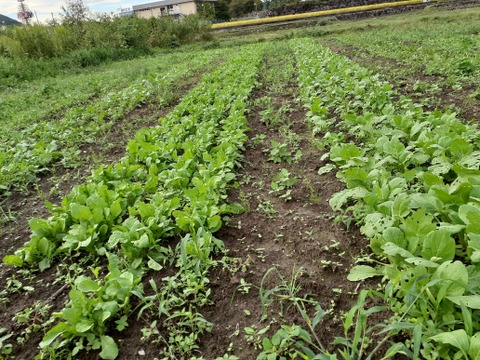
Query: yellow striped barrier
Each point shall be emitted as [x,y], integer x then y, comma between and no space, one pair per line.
[314,14]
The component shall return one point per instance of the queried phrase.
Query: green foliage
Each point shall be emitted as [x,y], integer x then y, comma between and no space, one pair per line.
[282,184]
[411,180]
[107,35]
[172,182]
[31,143]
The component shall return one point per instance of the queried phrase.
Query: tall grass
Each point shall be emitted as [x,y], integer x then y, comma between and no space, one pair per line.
[29,52]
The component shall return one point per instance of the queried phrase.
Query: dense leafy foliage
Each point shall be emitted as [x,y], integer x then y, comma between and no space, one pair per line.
[413,185]
[171,183]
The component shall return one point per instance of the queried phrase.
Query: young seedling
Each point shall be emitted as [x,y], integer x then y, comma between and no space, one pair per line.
[282,185]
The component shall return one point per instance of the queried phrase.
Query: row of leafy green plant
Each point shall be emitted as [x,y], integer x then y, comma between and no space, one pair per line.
[413,185]
[171,185]
[28,147]
[42,99]
[443,45]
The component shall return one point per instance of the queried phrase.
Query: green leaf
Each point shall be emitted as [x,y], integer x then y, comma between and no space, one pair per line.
[84,326]
[236,208]
[401,206]
[395,235]
[85,284]
[460,148]
[439,245]
[362,272]
[454,275]
[393,350]
[425,201]
[214,223]
[109,348]
[267,344]
[375,224]
[474,350]
[115,209]
[143,242]
[393,250]
[471,301]
[53,333]
[456,338]
[80,212]
[13,260]
[152,264]
[340,198]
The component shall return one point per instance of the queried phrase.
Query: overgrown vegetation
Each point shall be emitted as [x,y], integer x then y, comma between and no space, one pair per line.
[138,240]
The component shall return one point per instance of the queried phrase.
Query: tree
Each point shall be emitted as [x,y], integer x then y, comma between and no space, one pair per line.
[221,10]
[75,12]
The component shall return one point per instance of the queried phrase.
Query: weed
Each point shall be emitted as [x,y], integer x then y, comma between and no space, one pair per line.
[282,184]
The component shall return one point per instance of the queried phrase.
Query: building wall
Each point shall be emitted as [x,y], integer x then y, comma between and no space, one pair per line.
[148,13]
[184,8]
[188,8]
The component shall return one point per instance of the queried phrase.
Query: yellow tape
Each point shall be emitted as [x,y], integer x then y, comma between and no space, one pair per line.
[313,14]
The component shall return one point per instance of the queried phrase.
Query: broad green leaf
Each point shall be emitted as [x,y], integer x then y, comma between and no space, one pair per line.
[454,275]
[425,201]
[115,209]
[80,212]
[342,197]
[439,245]
[84,326]
[395,235]
[85,284]
[401,206]
[143,242]
[419,224]
[422,262]
[375,224]
[214,223]
[152,264]
[474,350]
[456,338]
[470,215]
[109,348]
[393,250]
[146,210]
[460,148]
[362,272]
[465,210]
[471,301]
[236,208]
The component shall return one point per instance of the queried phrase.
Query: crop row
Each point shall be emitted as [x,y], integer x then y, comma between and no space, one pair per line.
[171,184]
[448,49]
[413,184]
[28,149]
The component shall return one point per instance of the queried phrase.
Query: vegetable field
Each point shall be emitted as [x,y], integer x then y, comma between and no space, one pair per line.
[313,196]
